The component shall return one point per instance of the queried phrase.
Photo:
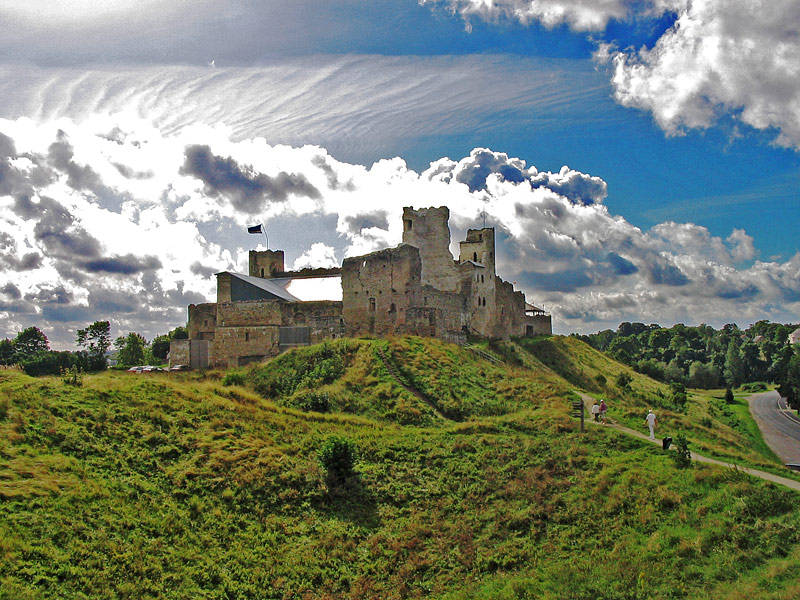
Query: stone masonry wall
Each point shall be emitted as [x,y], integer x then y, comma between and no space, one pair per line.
[428,229]
[250,330]
[377,290]
[202,321]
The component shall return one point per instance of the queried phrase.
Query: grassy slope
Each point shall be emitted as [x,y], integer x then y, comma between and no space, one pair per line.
[712,427]
[177,486]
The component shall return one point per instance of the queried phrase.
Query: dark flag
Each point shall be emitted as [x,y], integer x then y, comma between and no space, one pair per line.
[255,229]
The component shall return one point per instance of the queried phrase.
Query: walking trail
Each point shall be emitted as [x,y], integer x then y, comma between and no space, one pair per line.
[791,483]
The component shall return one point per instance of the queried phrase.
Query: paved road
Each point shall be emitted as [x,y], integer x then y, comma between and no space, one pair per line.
[779,426]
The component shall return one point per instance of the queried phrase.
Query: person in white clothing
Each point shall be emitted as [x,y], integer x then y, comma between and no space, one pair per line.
[596,411]
[651,423]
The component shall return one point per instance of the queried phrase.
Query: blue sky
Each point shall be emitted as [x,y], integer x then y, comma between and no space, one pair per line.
[679,123]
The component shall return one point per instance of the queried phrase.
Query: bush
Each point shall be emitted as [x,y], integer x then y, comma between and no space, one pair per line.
[72,376]
[624,380]
[234,377]
[683,456]
[338,457]
[46,362]
[728,395]
[310,400]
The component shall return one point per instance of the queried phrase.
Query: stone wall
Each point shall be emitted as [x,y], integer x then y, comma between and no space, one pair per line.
[202,321]
[250,331]
[265,263]
[377,290]
[428,229]
[179,353]
[538,325]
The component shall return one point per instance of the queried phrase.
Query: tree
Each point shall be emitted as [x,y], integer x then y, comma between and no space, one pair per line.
[734,368]
[96,340]
[6,352]
[703,375]
[28,342]
[160,347]
[130,349]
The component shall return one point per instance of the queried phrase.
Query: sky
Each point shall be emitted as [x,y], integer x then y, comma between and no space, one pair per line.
[639,159]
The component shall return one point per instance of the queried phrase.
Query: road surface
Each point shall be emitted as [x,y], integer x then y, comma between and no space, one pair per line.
[779,427]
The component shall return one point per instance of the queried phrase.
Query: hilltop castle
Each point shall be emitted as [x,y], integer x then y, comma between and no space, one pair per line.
[416,288]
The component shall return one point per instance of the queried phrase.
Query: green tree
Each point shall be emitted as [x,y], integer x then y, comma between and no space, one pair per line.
[130,349]
[6,352]
[96,340]
[703,375]
[734,368]
[28,342]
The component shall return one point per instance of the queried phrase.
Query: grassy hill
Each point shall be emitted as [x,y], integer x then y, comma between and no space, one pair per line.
[472,482]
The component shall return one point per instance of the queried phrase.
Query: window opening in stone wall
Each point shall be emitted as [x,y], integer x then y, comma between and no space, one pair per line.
[480,237]
[246,336]
[262,271]
[407,224]
[205,323]
[372,305]
[482,281]
[475,256]
[392,307]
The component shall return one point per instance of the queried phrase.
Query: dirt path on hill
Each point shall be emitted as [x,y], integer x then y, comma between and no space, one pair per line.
[795,485]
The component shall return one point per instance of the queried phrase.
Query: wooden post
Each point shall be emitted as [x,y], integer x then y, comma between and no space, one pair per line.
[578,411]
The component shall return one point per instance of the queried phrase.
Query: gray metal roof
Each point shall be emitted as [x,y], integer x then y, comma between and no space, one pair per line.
[275,287]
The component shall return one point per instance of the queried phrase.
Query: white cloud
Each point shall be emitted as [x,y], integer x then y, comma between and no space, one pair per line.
[739,58]
[311,101]
[137,250]
[580,15]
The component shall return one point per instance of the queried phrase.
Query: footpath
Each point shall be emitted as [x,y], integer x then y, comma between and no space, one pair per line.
[790,483]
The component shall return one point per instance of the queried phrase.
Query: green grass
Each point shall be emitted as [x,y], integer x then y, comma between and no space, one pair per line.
[712,428]
[177,486]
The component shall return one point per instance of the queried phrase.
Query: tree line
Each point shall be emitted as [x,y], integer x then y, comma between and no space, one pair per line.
[707,358]
[30,350]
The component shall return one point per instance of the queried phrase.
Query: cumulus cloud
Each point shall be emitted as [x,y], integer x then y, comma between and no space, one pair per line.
[139,261]
[721,58]
[482,163]
[246,189]
[318,255]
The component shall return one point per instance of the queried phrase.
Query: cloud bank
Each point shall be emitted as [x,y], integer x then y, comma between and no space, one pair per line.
[719,63]
[115,220]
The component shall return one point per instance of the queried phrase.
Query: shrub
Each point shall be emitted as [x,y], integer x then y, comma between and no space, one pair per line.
[728,395]
[683,456]
[624,380]
[234,377]
[310,400]
[338,457]
[72,376]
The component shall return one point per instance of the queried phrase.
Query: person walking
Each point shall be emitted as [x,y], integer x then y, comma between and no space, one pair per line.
[650,421]
[603,409]
[596,411]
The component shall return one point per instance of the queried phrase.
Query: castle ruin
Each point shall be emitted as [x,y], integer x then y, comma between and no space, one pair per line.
[414,289]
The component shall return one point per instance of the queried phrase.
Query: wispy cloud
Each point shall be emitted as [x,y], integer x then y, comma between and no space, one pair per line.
[358,107]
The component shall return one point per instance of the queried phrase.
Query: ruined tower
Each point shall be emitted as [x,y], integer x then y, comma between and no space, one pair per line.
[265,263]
[428,229]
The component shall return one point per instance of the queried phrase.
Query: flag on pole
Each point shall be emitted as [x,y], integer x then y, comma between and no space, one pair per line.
[255,229]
